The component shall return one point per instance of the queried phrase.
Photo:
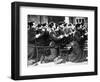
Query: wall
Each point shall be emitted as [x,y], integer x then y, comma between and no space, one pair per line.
[38,19]
[34,18]
[5,40]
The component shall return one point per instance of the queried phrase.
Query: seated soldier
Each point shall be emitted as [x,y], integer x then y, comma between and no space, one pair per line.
[42,40]
[76,54]
[50,54]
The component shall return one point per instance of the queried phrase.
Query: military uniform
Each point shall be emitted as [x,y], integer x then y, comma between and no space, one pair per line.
[31,44]
[43,39]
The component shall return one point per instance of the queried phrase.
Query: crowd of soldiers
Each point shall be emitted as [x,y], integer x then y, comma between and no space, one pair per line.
[61,42]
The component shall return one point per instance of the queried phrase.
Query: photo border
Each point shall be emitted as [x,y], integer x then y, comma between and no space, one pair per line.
[15,40]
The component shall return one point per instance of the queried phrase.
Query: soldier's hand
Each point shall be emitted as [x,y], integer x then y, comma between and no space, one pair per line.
[37,36]
[66,35]
[61,36]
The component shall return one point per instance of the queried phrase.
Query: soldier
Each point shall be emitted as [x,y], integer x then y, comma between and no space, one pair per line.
[42,36]
[31,43]
[31,32]
[42,41]
[56,36]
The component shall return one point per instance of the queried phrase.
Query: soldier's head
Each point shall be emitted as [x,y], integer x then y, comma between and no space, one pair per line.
[39,26]
[33,24]
[61,25]
[70,25]
[44,25]
[65,25]
[30,25]
[52,25]
[78,26]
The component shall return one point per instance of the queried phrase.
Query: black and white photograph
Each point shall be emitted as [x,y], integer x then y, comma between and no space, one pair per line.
[57,40]
[53,40]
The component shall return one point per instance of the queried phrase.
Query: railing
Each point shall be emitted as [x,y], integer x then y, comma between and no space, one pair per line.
[46,50]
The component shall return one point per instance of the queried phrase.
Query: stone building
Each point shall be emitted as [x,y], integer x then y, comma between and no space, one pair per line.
[40,19]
